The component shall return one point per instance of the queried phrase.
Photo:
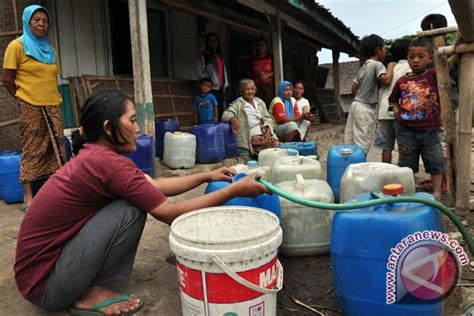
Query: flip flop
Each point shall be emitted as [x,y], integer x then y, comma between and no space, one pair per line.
[95,310]
[426,185]
[24,208]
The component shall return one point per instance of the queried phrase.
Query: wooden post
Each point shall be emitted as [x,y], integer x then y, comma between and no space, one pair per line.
[277,49]
[141,66]
[447,112]
[463,163]
[337,84]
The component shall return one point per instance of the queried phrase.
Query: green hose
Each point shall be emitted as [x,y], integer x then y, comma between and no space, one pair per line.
[357,205]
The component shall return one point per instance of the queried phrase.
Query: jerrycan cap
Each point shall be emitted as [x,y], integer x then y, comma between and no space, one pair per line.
[393,189]
[292,152]
[252,164]
[178,133]
[346,151]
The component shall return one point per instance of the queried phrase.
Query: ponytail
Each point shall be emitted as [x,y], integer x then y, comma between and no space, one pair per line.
[78,141]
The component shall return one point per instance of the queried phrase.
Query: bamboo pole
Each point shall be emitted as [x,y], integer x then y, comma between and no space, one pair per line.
[456,49]
[436,32]
[447,112]
[463,181]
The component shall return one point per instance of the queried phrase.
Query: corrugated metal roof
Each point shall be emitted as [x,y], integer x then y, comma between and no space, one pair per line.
[347,73]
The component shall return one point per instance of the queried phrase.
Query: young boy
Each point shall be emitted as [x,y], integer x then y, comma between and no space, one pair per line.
[415,101]
[205,104]
[387,128]
[362,115]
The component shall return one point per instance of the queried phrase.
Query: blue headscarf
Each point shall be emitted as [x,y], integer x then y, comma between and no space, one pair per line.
[289,111]
[33,46]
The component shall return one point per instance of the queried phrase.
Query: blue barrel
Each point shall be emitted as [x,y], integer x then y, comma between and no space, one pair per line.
[230,143]
[11,191]
[143,156]
[266,201]
[209,143]
[361,243]
[304,148]
[339,158]
[161,127]
[67,144]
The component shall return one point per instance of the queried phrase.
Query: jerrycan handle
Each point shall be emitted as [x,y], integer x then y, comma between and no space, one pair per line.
[237,278]
[238,176]
[300,184]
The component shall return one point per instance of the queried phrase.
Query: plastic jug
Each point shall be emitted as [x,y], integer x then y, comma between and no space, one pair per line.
[267,157]
[372,176]
[306,230]
[304,148]
[361,244]
[11,191]
[286,169]
[210,143]
[230,143]
[163,126]
[143,155]
[252,167]
[266,201]
[339,158]
[179,150]
[67,145]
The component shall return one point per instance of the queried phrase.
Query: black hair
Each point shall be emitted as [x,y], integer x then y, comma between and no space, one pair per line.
[399,49]
[369,44]
[208,37]
[99,107]
[421,42]
[299,81]
[205,79]
[433,21]
[261,39]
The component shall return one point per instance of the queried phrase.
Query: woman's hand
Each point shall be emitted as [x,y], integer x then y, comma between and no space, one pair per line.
[221,174]
[234,122]
[248,186]
[309,117]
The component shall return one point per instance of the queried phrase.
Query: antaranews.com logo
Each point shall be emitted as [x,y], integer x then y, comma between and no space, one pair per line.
[423,267]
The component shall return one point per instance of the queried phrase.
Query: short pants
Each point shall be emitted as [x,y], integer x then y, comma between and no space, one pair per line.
[387,131]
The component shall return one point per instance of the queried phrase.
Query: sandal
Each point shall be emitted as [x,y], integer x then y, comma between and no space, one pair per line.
[95,310]
[426,186]
[24,208]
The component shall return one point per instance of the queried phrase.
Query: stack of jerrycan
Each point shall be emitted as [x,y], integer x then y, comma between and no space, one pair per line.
[364,241]
[143,155]
[266,201]
[163,126]
[230,143]
[304,148]
[286,168]
[267,158]
[210,143]
[306,230]
[11,191]
[179,150]
[339,158]
[372,176]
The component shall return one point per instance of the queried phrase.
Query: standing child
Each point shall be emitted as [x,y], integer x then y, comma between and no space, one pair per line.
[362,115]
[415,101]
[205,104]
[387,128]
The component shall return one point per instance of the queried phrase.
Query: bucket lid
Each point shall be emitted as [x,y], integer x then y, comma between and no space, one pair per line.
[346,151]
[234,233]
[393,189]
[252,164]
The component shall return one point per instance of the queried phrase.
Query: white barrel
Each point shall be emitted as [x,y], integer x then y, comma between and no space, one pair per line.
[306,230]
[286,169]
[215,247]
[179,150]
[372,176]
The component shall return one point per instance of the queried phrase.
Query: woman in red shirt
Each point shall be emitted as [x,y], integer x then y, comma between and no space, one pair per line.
[83,228]
[261,71]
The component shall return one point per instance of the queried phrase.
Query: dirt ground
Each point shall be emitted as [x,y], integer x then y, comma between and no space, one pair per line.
[154,280]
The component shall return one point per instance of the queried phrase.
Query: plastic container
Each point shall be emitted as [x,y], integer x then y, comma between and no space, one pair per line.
[67,145]
[252,167]
[286,169]
[267,157]
[304,148]
[306,230]
[210,143]
[227,263]
[179,150]
[265,201]
[163,126]
[11,191]
[361,244]
[339,158]
[372,176]
[143,155]
[230,142]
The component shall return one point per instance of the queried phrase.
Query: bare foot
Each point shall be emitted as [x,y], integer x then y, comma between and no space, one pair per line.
[96,294]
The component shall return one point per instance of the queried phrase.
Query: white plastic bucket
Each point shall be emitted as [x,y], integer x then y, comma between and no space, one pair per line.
[227,261]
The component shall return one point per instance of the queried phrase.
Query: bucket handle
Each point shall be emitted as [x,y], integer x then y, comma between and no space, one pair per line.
[237,278]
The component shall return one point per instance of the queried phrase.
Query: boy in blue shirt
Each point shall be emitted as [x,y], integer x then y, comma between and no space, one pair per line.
[205,104]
